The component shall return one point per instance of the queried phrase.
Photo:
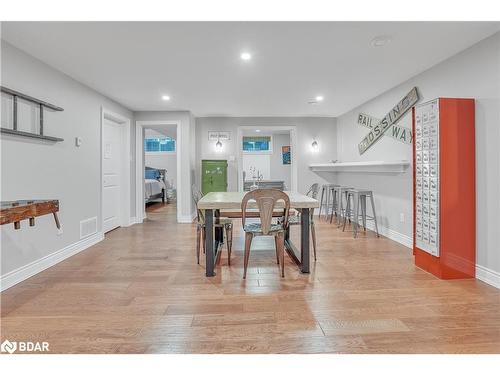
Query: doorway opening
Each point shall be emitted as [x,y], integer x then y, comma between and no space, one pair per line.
[160,168]
[266,157]
[158,174]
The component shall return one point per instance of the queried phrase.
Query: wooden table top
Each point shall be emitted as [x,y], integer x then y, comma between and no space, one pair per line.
[232,200]
[15,211]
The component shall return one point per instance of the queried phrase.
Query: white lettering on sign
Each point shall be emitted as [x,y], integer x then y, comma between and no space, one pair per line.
[394,115]
[24,346]
[399,133]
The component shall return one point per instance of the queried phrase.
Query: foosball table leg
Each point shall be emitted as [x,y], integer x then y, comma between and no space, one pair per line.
[58,225]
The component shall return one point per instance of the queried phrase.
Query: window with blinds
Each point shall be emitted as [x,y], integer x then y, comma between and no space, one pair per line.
[165,144]
[257,144]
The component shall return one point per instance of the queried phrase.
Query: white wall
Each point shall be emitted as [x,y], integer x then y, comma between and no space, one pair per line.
[473,73]
[280,171]
[162,160]
[270,165]
[308,128]
[185,150]
[261,163]
[40,170]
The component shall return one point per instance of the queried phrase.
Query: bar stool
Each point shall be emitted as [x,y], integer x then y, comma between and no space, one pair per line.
[342,193]
[359,199]
[325,193]
[334,192]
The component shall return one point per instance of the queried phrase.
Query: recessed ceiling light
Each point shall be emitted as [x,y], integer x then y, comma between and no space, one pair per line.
[257,130]
[165,97]
[245,56]
[320,98]
[380,41]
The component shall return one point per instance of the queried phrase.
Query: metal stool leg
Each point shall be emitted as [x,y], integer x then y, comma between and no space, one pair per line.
[334,204]
[347,209]
[363,210]
[313,233]
[356,214]
[341,199]
[321,200]
[327,202]
[337,204]
[374,215]
[330,213]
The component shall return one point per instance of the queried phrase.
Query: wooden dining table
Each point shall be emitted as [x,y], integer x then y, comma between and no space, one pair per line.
[218,204]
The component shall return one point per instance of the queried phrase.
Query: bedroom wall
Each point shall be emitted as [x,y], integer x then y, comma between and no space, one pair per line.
[308,128]
[36,169]
[473,73]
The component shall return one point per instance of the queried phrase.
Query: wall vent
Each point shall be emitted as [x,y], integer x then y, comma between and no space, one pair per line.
[88,227]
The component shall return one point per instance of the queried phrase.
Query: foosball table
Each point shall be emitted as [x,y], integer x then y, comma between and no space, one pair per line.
[17,211]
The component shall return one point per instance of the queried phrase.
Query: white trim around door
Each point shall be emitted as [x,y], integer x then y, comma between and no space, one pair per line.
[268,129]
[125,195]
[139,163]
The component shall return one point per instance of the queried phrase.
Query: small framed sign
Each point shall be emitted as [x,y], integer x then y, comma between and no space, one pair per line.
[286,155]
[219,136]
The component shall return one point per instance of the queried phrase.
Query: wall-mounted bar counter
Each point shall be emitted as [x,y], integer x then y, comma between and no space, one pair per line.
[362,166]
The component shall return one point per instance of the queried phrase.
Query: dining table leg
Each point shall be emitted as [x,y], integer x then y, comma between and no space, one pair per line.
[304,240]
[209,243]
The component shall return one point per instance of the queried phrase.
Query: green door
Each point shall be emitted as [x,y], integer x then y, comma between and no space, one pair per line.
[213,175]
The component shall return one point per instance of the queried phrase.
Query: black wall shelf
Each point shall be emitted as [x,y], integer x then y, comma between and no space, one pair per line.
[30,135]
[42,104]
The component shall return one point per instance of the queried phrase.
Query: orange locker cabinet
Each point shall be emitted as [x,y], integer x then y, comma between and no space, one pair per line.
[444,188]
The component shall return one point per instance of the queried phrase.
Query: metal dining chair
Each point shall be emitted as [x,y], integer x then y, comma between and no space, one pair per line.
[295,220]
[266,200]
[225,224]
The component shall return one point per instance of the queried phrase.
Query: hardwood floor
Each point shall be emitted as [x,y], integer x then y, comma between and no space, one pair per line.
[141,291]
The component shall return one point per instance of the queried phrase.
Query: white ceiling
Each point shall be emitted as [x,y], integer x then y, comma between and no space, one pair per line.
[198,63]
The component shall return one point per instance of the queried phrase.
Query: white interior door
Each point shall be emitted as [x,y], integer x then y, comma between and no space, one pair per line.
[111,179]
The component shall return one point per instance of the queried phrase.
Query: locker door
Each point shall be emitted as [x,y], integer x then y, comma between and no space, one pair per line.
[214,175]
[427,170]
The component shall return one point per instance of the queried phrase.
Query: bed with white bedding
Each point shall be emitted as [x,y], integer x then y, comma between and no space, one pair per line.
[154,184]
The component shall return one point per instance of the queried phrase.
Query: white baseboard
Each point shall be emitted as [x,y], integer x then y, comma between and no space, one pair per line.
[401,238]
[488,276]
[186,219]
[14,277]
[134,220]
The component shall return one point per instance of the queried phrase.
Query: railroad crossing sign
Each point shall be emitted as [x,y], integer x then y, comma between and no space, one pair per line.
[399,133]
[391,118]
